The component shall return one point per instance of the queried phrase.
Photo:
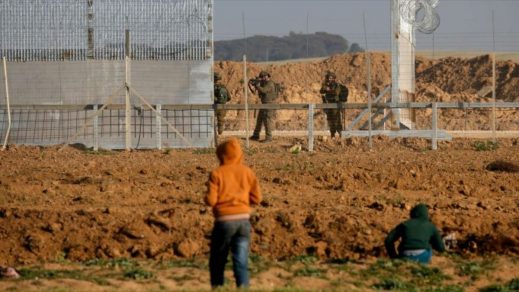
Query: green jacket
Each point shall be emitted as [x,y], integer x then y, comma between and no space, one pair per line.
[416,233]
[334,92]
[221,95]
[267,91]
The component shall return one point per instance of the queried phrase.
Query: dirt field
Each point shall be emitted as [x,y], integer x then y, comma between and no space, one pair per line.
[75,219]
[325,211]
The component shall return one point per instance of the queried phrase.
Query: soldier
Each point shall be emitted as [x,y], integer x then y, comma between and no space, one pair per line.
[221,96]
[333,92]
[268,92]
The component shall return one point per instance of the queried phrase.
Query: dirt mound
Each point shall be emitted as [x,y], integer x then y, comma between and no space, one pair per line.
[444,80]
[453,76]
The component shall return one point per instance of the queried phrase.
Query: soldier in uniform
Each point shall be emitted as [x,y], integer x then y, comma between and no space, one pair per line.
[268,92]
[221,96]
[333,92]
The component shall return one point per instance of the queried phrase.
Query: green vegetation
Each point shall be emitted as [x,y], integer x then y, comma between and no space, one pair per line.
[112,263]
[294,46]
[486,145]
[474,269]
[138,274]
[310,272]
[359,275]
[36,273]
[513,285]
[204,151]
[258,264]
[192,263]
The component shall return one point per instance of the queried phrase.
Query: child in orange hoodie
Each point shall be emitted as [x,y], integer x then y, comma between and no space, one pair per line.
[232,188]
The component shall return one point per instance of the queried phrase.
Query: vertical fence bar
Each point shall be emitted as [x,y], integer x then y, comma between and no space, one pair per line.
[245,92]
[493,80]
[158,120]
[6,103]
[368,65]
[434,126]
[96,129]
[311,109]
[128,111]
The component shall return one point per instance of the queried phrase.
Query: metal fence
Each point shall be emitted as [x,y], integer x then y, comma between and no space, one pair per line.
[180,126]
[52,30]
[74,53]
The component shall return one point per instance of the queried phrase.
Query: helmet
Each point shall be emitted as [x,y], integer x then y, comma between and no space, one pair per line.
[264,74]
[217,76]
[330,74]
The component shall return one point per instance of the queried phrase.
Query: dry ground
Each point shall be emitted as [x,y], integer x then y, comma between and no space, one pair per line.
[136,220]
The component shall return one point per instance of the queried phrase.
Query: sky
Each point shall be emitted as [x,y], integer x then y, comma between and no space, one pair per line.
[465,24]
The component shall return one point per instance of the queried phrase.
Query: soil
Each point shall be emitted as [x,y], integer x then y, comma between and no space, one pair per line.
[339,202]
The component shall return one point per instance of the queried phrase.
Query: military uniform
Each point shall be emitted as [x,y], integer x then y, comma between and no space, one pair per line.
[268,94]
[221,96]
[333,92]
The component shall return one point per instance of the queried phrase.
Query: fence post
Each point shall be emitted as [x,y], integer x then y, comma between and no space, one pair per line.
[245,91]
[434,126]
[159,126]
[4,62]
[311,108]
[96,129]
[128,110]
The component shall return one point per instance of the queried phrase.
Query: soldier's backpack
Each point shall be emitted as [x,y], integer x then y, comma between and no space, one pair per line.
[221,94]
[343,93]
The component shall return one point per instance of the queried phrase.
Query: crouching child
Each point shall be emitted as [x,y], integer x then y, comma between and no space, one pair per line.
[418,237]
[232,188]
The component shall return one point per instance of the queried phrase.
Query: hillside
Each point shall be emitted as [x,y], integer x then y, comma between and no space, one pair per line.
[294,46]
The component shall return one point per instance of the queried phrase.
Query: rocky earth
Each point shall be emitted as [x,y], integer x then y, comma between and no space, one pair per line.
[337,202]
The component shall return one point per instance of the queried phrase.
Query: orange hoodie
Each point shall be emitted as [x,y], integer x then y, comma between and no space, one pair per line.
[233,186]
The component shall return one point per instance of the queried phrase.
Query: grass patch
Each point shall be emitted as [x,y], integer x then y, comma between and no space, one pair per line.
[513,285]
[485,145]
[138,274]
[382,267]
[474,269]
[38,273]
[204,151]
[424,275]
[201,265]
[413,276]
[393,283]
[112,263]
[310,272]
[258,264]
[304,259]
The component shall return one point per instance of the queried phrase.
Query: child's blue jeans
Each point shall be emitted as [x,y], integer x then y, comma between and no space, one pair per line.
[424,257]
[234,236]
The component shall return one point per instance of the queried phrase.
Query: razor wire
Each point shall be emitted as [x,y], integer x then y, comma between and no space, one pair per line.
[429,19]
[57,30]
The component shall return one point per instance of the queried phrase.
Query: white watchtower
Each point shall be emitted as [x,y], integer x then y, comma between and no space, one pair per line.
[406,17]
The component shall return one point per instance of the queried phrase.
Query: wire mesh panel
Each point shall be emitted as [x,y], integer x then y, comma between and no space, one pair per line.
[47,126]
[43,30]
[49,30]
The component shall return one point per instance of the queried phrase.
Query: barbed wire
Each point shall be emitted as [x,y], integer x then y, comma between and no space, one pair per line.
[428,20]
